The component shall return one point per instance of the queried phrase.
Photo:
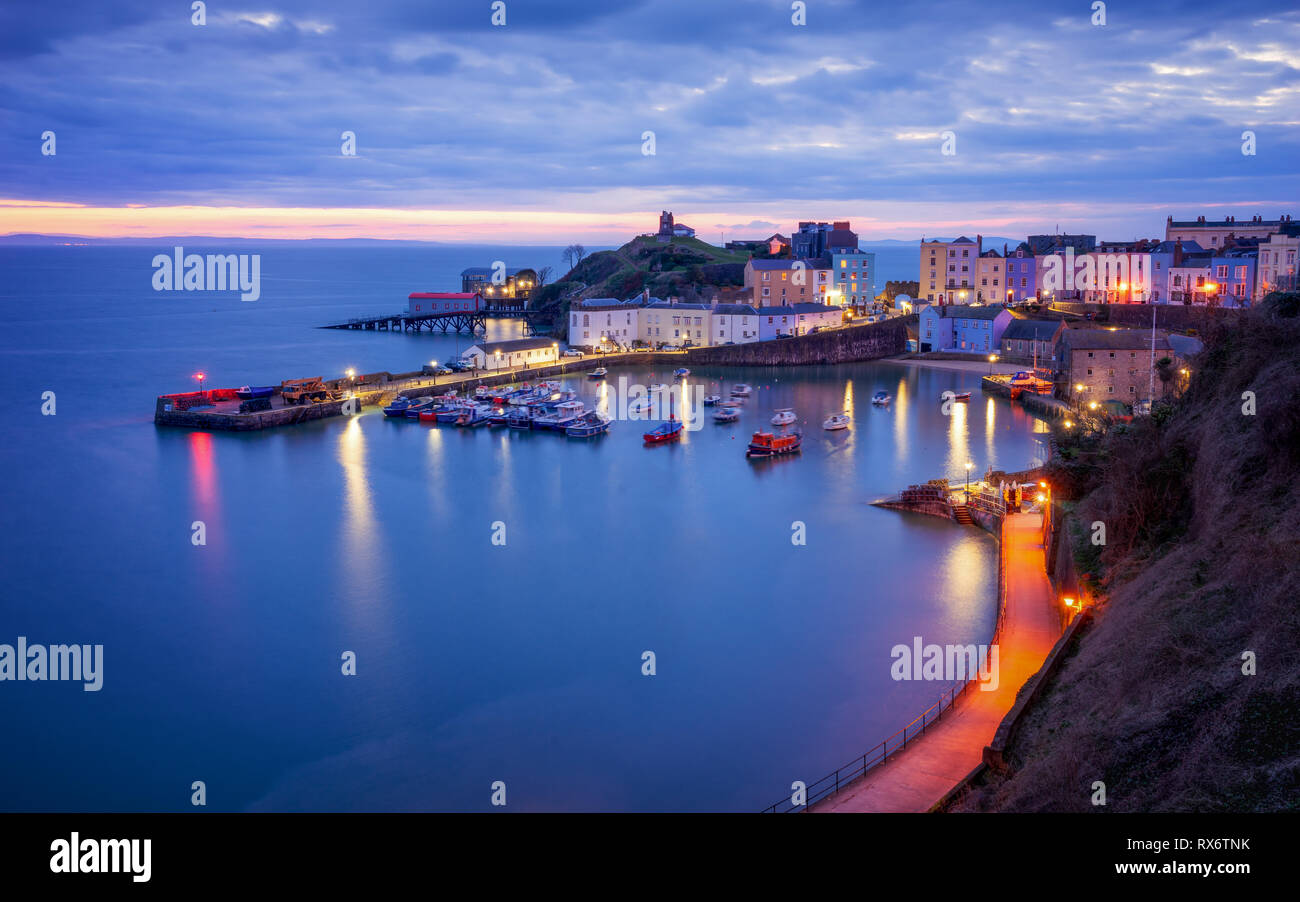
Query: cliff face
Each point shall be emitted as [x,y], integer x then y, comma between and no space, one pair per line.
[1201,570]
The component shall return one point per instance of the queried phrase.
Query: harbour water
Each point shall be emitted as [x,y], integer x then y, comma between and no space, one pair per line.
[476,661]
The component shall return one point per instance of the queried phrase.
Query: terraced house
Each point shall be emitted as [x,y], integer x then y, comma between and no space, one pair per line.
[1110,364]
[960,327]
[774,283]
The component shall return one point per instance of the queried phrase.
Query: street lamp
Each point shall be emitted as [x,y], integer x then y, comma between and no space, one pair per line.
[555,348]
[992,359]
[200,377]
[498,366]
[352,378]
[969,467]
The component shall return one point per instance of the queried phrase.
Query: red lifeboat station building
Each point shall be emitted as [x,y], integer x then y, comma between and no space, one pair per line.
[430,302]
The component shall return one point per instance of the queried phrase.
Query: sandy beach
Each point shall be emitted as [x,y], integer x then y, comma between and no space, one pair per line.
[966,366]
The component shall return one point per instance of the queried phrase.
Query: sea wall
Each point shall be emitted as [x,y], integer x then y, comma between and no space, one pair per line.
[1170,317]
[871,341]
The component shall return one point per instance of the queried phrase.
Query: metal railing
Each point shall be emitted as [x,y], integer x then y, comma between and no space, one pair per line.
[878,754]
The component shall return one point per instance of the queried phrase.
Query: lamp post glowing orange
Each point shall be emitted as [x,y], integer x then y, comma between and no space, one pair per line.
[200,376]
[992,359]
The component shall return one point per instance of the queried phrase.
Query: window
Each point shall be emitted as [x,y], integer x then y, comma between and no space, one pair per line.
[1221,271]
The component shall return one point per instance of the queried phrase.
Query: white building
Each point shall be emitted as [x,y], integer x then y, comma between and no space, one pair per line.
[734,324]
[618,322]
[677,324]
[1276,267]
[494,355]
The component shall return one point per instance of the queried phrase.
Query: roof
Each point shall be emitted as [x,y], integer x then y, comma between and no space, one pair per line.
[441,296]
[793,309]
[959,311]
[1112,340]
[514,344]
[665,305]
[784,264]
[1226,223]
[779,237]
[734,309]
[487,271]
[602,302]
[1031,329]
[991,253]
[1185,345]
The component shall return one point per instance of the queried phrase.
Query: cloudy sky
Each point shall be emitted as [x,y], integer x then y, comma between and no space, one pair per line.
[532,131]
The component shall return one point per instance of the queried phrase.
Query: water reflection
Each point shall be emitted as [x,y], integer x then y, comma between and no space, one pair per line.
[360,541]
[959,451]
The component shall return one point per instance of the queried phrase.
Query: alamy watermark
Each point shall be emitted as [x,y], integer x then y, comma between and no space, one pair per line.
[213,272]
[947,663]
[54,662]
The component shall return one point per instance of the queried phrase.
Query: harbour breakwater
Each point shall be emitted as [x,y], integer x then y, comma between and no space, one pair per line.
[216,408]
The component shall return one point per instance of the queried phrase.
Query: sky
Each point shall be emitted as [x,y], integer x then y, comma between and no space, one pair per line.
[534,131]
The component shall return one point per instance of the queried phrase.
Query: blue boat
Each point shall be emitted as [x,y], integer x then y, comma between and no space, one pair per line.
[587,426]
[252,393]
[397,408]
[681,372]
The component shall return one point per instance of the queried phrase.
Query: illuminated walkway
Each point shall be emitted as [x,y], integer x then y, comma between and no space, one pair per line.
[919,776]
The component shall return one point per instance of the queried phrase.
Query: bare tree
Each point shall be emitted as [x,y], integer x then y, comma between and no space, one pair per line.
[573,254]
[543,276]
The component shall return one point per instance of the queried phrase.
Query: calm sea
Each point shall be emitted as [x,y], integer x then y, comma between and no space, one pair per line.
[476,662]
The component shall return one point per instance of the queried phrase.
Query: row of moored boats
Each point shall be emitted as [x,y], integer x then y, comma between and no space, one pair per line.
[543,406]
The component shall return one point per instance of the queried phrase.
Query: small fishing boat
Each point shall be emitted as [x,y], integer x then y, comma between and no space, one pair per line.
[449,413]
[657,387]
[727,414]
[252,393]
[712,400]
[838,421]
[560,416]
[960,396]
[670,431]
[640,407]
[484,392]
[740,390]
[681,371]
[767,444]
[598,373]
[784,416]
[592,423]
[418,406]
[881,398]
[397,408]
[497,417]
[476,415]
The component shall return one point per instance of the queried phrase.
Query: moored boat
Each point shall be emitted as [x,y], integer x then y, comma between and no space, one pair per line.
[397,408]
[837,421]
[598,373]
[681,371]
[740,390]
[592,423]
[657,387]
[418,406]
[712,400]
[958,396]
[784,416]
[252,393]
[767,444]
[668,431]
[881,398]
[726,414]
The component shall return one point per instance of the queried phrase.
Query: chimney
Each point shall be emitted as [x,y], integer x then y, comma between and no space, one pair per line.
[979,244]
[1178,252]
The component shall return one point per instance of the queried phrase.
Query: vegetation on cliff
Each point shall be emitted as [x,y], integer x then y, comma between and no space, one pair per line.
[1201,574]
[683,267]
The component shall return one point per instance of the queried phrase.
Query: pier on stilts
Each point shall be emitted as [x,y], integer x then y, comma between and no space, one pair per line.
[469,321]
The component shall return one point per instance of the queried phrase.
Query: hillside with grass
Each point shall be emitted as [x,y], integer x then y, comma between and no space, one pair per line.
[1200,569]
[687,268]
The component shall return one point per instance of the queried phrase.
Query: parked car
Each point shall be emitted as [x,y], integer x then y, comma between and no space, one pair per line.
[784,335]
[460,366]
[814,329]
[572,352]
[670,348]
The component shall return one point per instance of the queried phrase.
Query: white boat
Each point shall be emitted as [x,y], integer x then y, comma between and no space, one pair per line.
[740,390]
[598,373]
[881,398]
[712,400]
[784,416]
[726,414]
[838,421]
[657,387]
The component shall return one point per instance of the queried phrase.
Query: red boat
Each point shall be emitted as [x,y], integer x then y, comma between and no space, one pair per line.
[767,444]
[670,431]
